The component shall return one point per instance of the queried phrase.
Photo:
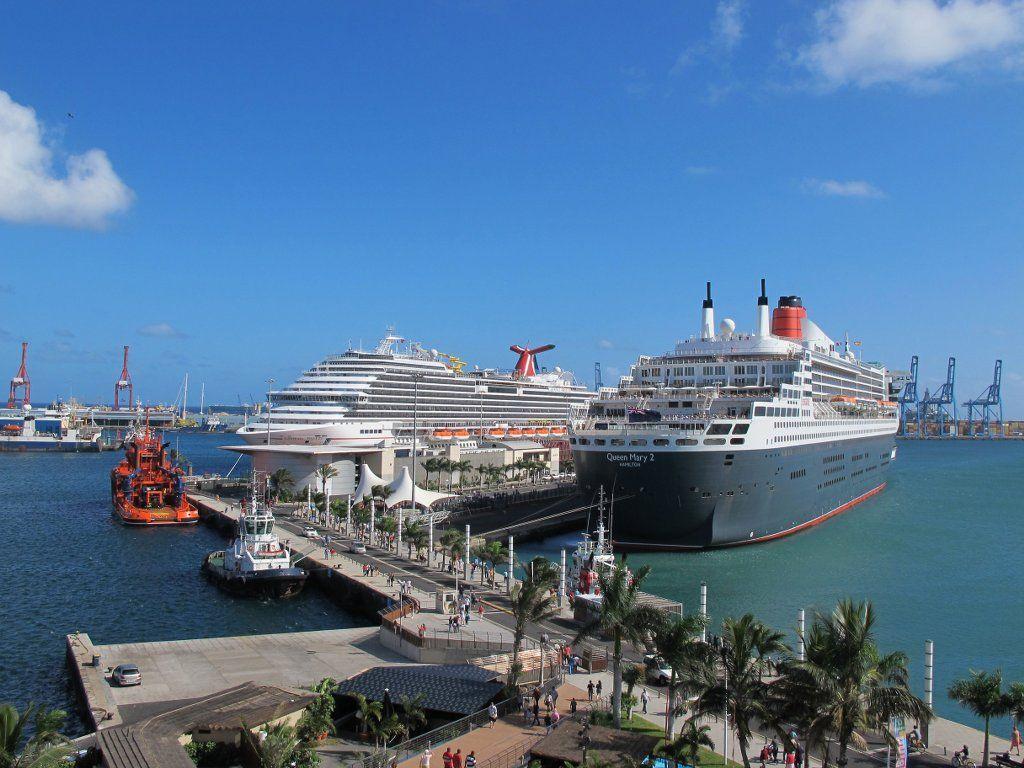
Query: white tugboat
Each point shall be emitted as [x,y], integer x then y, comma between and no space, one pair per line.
[591,557]
[256,564]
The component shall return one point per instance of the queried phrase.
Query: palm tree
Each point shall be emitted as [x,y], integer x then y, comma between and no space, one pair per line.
[386,525]
[624,617]
[47,748]
[687,746]
[414,536]
[493,553]
[632,675]
[745,658]
[281,482]
[411,712]
[858,688]
[544,572]
[531,603]
[380,493]
[462,467]
[454,542]
[443,465]
[318,719]
[277,749]
[367,711]
[677,642]
[325,472]
[431,465]
[982,693]
[1015,698]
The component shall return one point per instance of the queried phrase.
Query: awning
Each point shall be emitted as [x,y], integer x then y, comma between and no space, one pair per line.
[401,492]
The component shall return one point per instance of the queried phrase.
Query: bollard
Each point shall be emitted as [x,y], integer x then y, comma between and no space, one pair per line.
[465,562]
[561,581]
[511,563]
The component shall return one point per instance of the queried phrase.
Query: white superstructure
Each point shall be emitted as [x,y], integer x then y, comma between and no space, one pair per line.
[367,399]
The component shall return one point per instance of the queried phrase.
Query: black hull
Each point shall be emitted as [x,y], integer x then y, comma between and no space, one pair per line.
[672,500]
[273,585]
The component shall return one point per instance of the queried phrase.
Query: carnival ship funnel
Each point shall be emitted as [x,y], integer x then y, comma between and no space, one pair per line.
[763,321]
[707,317]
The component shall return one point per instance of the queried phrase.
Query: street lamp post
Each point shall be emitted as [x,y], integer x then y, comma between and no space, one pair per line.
[270,386]
[415,429]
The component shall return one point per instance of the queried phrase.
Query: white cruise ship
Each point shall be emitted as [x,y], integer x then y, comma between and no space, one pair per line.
[734,438]
[366,399]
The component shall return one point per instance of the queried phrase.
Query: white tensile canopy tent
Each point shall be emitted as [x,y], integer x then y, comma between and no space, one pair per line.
[401,492]
[367,479]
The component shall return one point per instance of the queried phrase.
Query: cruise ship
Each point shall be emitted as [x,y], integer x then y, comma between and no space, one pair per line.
[734,438]
[367,399]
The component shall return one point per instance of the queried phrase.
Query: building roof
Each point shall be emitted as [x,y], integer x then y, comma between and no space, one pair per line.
[606,745]
[401,492]
[153,742]
[520,445]
[459,689]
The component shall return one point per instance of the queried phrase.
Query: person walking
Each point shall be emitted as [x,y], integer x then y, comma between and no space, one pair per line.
[798,756]
[548,703]
[457,759]
[492,714]
[471,759]
[590,691]
[645,699]
[572,706]
[547,722]
[425,758]
[526,706]
[598,689]
[536,714]
[446,758]
[1015,740]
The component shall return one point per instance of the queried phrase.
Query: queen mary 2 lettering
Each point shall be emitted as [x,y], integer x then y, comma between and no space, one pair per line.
[735,438]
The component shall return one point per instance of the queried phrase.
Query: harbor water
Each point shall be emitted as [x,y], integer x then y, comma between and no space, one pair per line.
[938,553]
[70,566]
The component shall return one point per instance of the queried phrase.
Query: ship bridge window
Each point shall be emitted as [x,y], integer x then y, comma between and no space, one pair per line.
[660,441]
[741,429]
[715,441]
[686,441]
[601,425]
[584,441]
[737,440]
[719,429]
[572,441]
[618,441]
[600,441]
[638,441]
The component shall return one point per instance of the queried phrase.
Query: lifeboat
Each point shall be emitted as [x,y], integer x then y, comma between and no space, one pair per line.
[844,399]
[146,488]
[530,431]
[443,434]
[514,432]
[558,430]
[887,403]
[462,432]
[496,432]
[543,431]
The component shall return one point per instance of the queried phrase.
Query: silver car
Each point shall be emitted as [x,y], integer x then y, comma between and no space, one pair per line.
[310,532]
[357,547]
[127,674]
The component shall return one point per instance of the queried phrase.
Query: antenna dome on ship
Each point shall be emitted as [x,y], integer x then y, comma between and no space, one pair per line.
[726,327]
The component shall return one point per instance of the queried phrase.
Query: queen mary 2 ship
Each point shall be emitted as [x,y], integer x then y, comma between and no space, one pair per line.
[734,438]
[368,399]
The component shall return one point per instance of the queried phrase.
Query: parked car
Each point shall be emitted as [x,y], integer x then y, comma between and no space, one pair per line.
[126,674]
[310,532]
[357,547]
[656,670]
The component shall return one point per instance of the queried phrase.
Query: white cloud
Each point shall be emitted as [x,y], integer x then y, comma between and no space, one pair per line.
[726,33]
[700,170]
[605,344]
[835,188]
[161,330]
[30,191]
[865,42]
[728,23]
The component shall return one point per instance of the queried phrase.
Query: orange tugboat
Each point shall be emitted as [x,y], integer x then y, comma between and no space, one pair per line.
[146,488]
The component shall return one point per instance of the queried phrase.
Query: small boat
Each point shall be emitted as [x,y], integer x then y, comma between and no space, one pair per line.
[514,432]
[558,430]
[543,431]
[442,434]
[146,487]
[256,564]
[496,432]
[529,431]
[461,432]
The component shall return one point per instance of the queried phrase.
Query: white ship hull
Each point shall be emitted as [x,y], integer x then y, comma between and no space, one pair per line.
[352,434]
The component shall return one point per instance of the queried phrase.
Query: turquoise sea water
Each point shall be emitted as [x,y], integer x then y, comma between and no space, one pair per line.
[68,566]
[938,553]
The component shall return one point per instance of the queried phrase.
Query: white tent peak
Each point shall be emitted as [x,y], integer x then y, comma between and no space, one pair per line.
[401,492]
[367,479]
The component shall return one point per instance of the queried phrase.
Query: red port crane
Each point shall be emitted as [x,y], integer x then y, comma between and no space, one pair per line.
[21,380]
[123,382]
[527,365]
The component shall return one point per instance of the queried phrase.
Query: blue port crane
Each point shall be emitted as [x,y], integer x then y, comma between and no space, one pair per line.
[940,407]
[988,406]
[598,383]
[908,398]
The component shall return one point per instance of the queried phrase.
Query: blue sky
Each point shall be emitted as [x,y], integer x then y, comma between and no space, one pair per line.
[244,188]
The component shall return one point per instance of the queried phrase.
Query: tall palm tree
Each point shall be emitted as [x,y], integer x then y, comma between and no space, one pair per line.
[531,603]
[443,465]
[380,494]
[463,468]
[493,554]
[277,749]
[747,648]
[431,465]
[1015,698]
[453,541]
[411,712]
[544,572]
[325,472]
[982,693]
[414,536]
[624,617]
[686,748]
[677,642]
[281,482]
[858,687]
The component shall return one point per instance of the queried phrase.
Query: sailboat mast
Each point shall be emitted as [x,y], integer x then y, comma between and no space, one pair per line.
[184,398]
